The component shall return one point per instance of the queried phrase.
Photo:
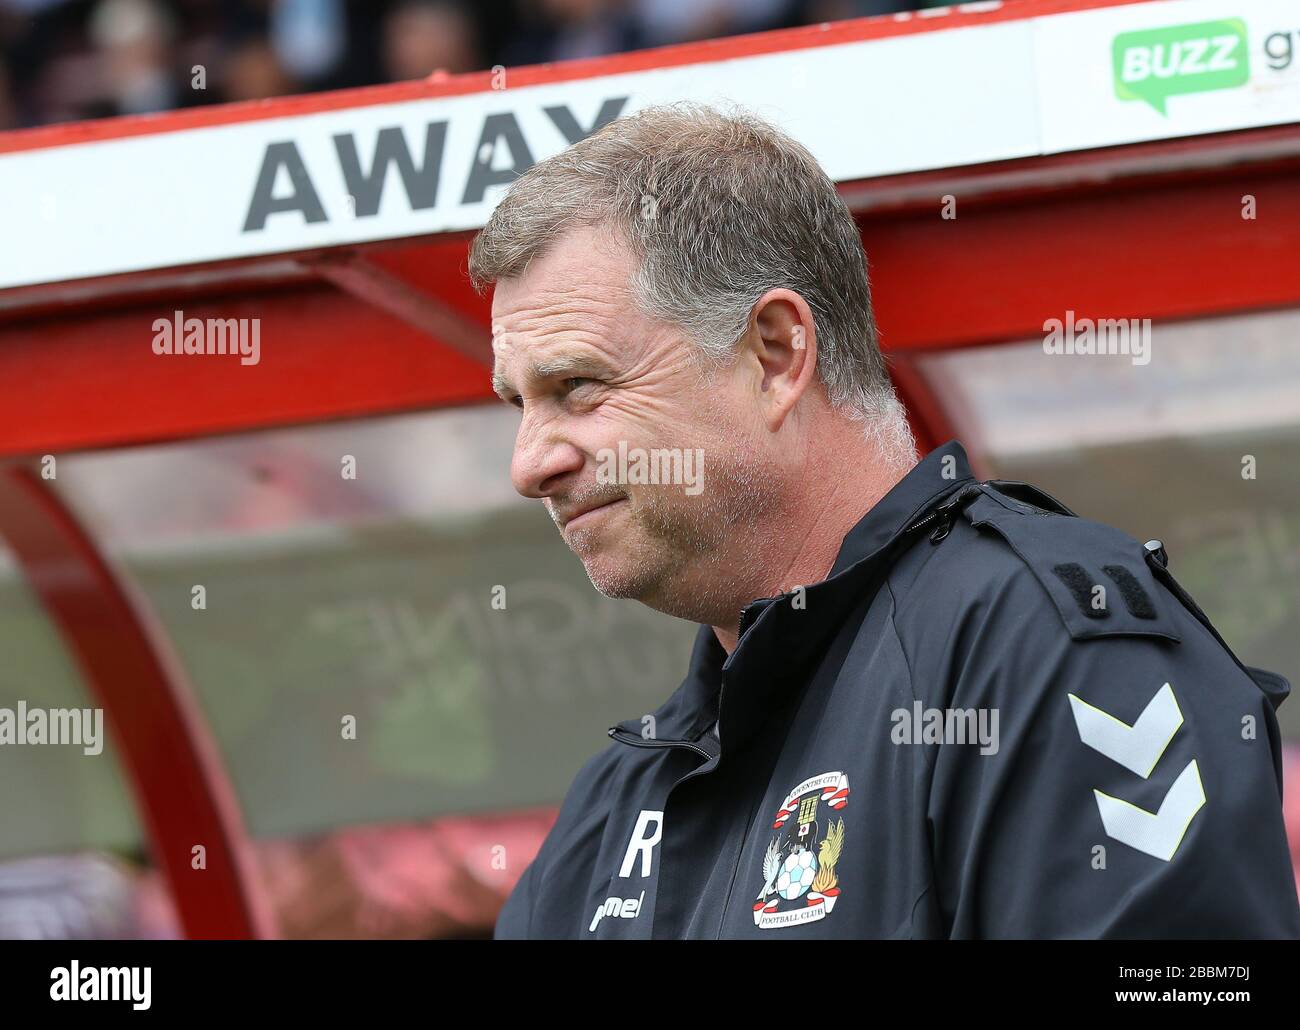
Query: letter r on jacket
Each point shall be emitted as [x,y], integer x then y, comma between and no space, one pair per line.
[642,843]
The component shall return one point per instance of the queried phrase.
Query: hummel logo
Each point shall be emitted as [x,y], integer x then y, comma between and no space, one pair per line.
[1157,834]
[1138,748]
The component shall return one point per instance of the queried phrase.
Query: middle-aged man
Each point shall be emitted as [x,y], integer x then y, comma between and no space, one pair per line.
[918,705]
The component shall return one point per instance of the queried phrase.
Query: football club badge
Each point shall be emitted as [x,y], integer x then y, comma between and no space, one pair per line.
[800,884]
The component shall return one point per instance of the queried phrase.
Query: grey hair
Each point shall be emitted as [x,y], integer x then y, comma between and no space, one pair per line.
[717,208]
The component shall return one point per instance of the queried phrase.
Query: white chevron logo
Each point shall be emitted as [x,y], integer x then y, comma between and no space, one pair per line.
[1157,834]
[1138,747]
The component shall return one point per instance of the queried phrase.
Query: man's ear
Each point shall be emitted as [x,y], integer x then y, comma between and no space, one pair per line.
[783,342]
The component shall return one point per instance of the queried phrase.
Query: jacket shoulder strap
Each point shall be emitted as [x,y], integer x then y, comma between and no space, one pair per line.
[1096,575]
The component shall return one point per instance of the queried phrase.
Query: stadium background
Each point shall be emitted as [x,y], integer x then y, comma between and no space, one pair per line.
[371,600]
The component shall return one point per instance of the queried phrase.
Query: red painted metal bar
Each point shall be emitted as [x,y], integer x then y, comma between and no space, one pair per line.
[995,273]
[437,263]
[380,288]
[92,380]
[175,771]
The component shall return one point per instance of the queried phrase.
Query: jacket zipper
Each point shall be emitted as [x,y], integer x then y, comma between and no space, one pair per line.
[939,531]
[944,514]
[623,737]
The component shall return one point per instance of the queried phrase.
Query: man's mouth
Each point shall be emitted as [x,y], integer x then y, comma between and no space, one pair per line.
[592,514]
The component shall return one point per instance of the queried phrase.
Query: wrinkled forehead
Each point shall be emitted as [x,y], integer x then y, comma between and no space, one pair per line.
[538,329]
[584,262]
[573,303]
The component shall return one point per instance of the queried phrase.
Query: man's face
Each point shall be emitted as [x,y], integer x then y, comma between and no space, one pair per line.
[596,379]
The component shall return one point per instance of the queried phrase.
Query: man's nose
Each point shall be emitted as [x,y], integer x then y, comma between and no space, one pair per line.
[543,459]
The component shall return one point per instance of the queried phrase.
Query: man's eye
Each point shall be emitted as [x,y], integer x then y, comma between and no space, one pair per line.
[575,382]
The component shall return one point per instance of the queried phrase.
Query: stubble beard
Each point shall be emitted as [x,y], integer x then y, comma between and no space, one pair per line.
[688,556]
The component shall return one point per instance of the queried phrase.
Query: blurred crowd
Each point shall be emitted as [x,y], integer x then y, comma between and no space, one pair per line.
[65,60]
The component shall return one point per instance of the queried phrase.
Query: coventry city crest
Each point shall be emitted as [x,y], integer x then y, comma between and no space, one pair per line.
[799,880]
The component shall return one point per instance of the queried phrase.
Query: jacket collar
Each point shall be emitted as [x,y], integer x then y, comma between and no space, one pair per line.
[929,482]
[776,638]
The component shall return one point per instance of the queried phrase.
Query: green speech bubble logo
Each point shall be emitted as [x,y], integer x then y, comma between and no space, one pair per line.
[1156,64]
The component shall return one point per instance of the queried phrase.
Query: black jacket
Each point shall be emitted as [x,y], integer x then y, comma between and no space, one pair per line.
[992,719]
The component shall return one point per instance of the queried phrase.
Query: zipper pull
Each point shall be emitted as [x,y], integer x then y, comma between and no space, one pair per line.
[947,512]
[942,528]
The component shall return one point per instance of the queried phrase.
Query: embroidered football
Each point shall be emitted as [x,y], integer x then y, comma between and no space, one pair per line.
[796,876]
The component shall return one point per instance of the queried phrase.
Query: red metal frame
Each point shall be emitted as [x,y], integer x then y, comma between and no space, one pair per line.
[176,774]
[399,327]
